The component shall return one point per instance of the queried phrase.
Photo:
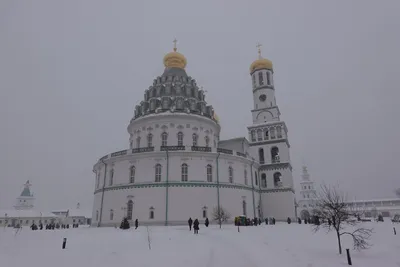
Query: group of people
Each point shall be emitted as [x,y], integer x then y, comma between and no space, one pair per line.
[196,224]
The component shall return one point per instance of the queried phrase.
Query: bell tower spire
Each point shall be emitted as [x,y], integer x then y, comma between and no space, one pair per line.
[25,200]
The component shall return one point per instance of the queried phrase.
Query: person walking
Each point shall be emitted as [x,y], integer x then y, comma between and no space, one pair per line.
[136,223]
[206,222]
[190,222]
[196,226]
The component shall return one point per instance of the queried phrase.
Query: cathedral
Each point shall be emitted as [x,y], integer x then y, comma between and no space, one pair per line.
[177,167]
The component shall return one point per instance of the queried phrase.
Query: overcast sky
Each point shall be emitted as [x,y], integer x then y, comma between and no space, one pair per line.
[72,71]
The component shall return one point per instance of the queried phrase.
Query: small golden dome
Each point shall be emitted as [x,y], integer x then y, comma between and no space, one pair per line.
[215,117]
[261,63]
[175,59]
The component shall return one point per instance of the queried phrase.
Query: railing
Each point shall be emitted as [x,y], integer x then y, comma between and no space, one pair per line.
[225,151]
[119,153]
[276,159]
[172,148]
[201,148]
[241,154]
[143,149]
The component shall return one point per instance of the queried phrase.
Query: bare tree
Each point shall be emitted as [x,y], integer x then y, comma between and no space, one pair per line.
[336,215]
[397,192]
[220,215]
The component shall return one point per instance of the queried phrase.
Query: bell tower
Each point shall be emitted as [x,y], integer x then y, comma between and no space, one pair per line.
[269,144]
[25,200]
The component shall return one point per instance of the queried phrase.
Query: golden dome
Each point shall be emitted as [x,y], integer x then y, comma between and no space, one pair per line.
[215,117]
[261,63]
[175,59]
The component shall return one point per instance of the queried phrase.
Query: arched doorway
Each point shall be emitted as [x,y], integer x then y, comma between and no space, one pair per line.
[304,214]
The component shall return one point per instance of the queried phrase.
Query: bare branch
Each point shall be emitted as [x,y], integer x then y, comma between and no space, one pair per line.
[360,237]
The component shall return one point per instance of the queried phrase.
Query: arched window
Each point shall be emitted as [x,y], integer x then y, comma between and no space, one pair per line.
[264,180]
[279,131]
[275,155]
[245,176]
[260,78]
[97,215]
[132,172]
[268,78]
[130,144]
[111,215]
[180,139]
[209,173]
[184,172]
[259,135]
[207,140]
[149,140]
[111,181]
[277,179]
[158,173]
[215,143]
[138,142]
[261,155]
[253,135]
[195,138]
[244,207]
[255,178]
[254,80]
[129,210]
[151,215]
[266,134]
[230,171]
[272,132]
[164,139]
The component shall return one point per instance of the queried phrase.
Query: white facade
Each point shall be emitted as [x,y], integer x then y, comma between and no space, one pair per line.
[176,167]
[26,200]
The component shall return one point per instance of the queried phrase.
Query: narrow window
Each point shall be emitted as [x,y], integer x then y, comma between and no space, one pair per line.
[279,131]
[97,215]
[129,210]
[205,212]
[150,140]
[259,135]
[230,170]
[130,144]
[98,180]
[244,208]
[164,139]
[254,80]
[194,137]
[245,176]
[261,155]
[207,139]
[111,177]
[111,215]
[260,78]
[215,143]
[151,215]
[275,155]
[255,178]
[268,78]
[180,139]
[253,136]
[272,131]
[132,171]
[277,179]
[266,134]
[209,173]
[138,142]
[158,173]
[184,172]
[264,180]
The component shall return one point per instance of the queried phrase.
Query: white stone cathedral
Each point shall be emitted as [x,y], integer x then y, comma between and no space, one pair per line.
[177,167]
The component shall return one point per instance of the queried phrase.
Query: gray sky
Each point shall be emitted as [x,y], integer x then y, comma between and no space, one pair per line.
[71,73]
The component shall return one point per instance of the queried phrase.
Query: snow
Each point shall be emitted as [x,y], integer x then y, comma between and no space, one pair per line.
[267,245]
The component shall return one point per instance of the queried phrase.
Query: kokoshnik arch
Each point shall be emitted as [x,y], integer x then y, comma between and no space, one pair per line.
[176,166]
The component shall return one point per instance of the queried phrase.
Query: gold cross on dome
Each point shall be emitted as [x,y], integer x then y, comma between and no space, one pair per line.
[175,41]
[259,49]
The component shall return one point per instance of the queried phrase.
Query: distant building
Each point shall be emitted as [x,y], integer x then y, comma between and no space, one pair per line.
[308,195]
[25,215]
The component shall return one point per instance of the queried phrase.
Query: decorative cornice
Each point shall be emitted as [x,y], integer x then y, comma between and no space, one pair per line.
[268,142]
[275,166]
[191,184]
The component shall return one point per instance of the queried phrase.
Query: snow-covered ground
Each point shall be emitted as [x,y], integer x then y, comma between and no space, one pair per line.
[278,245]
